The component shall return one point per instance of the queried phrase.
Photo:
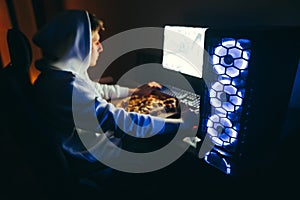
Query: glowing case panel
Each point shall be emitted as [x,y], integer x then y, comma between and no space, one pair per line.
[249,74]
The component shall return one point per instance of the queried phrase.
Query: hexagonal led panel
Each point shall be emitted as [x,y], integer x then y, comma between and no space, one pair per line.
[230,63]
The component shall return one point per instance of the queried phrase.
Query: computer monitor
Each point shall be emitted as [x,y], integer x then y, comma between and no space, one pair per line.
[183,49]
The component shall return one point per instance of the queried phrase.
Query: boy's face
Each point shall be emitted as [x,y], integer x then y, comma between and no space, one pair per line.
[96,48]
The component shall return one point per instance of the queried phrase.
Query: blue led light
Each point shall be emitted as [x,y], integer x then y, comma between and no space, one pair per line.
[232,116]
[230,62]
[226,122]
[232,140]
[215,102]
[240,63]
[241,93]
[225,138]
[243,43]
[216,126]
[232,72]
[212,93]
[236,100]
[217,141]
[231,132]
[228,106]
[230,89]
[238,82]
[219,69]
[220,51]
[217,160]
[228,42]
[215,59]
[209,123]
[235,53]
[236,127]
[212,132]
[221,112]
[215,118]
[224,79]
[217,86]
[246,54]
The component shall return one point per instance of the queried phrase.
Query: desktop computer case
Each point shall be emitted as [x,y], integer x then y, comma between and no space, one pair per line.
[249,75]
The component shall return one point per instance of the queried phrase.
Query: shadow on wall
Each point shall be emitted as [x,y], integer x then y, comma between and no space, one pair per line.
[237,13]
[295,96]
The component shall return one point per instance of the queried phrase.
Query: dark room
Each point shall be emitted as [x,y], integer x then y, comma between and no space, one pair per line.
[149,99]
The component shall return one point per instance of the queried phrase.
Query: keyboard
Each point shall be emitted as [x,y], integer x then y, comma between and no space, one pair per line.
[192,100]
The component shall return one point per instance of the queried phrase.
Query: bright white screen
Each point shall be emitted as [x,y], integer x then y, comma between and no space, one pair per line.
[183,49]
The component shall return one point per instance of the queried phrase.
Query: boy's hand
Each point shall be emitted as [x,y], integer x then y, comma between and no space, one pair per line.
[145,89]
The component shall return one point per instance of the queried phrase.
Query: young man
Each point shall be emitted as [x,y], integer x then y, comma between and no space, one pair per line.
[73,105]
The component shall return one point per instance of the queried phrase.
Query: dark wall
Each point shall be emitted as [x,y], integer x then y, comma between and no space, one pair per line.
[124,15]
[130,14]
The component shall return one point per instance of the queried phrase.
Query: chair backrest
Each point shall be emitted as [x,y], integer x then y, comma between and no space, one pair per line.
[14,79]
[19,50]
[21,120]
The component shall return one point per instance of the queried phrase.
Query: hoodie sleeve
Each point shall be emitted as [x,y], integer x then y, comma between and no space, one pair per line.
[110,91]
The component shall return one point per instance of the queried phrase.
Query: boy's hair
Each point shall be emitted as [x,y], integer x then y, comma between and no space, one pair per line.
[96,24]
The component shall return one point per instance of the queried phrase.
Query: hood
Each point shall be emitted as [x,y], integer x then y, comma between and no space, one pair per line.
[65,42]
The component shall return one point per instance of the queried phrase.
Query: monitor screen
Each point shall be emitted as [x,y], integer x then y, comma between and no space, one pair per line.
[183,49]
